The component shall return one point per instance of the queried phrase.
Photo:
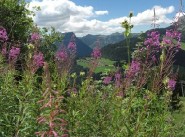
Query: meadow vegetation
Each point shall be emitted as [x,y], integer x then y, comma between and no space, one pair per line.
[40,95]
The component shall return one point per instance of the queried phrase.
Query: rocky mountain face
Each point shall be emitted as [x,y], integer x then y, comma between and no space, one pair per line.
[82,48]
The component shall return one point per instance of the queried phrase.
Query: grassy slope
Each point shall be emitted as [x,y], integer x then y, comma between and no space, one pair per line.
[183,45]
[179,117]
[104,64]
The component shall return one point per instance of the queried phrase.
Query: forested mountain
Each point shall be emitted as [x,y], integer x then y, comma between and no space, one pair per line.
[104,40]
[118,51]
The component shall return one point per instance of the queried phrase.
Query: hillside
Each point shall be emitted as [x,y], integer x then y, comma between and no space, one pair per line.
[104,40]
[118,51]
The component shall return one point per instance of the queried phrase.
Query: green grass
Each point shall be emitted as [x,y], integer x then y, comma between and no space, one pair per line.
[183,45]
[104,64]
[179,118]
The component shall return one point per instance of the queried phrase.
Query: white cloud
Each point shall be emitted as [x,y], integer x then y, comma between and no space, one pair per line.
[66,16]
[147,15]
[178,15]
[103,12]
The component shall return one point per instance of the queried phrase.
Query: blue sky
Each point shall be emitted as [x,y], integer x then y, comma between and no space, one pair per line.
[102,16]
[118,8]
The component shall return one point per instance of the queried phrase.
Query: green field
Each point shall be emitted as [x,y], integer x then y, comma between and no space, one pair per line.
[183,45]
[179,119]
[103,64]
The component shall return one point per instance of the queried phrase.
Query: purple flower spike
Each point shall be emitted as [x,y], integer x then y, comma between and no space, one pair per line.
[167,41]
[171,84]
[107,80]
[118,79]
[3,35]
[153,39]
[14,52]
[35,36]
[61,55]
[38,59]
[72,45]
[96,53]
[168,33]
[135,67]
[173,34]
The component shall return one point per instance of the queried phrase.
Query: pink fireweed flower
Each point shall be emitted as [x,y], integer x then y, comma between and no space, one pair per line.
[14,52]
[107,80]
[177,35]
[35,36]
[153,39]
[171,84]
[135,67]
[61,55]
[96,53]
[38,59]
[173,34]
[118,79]
[167,41]
[3,35]
[72,46]
[170,35]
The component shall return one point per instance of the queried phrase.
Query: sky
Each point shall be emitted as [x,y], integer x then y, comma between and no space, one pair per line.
[102,16]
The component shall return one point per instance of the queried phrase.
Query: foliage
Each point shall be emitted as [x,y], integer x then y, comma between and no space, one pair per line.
[16,18]
[43,98]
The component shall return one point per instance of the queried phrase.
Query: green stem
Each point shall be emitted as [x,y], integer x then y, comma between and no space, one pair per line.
[128,49]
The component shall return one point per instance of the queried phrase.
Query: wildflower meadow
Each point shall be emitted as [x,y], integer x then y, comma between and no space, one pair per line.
[42,94]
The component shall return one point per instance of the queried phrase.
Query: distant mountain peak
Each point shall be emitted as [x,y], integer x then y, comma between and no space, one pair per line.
[104,40]
[82,48]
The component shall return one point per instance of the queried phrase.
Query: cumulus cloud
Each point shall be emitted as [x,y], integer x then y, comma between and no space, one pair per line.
[101,12]
[179,15]
[67,16]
